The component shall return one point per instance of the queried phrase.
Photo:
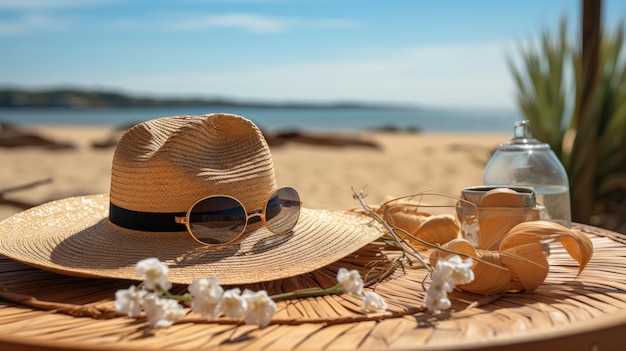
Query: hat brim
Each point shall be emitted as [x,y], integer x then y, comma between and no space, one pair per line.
[73,236]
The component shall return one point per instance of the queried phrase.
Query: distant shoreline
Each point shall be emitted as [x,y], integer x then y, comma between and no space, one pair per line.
[87,99]
[276,119]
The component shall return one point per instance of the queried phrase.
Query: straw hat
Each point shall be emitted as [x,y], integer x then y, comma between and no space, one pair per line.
[161,168]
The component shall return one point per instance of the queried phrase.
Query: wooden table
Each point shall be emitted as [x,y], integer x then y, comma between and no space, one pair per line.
[568,312]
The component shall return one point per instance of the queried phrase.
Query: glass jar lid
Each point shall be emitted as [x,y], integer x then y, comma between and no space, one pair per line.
[523,139]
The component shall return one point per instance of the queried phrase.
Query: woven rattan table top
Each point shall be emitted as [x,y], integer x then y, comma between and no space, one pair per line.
[42,310]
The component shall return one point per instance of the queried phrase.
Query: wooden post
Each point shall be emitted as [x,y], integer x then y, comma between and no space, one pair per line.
[584,166]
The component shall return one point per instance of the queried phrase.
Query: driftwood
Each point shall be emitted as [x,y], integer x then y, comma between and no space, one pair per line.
[109,142]
[390,128]
[273,140]
[317,139]
[20,204]
[114,137]
[12,137]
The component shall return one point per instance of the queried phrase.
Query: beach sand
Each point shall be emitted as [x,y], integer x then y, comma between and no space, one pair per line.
[405,163]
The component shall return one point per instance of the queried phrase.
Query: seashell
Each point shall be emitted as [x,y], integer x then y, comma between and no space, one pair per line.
[500,210]
[490,276]
[438,229]
[527,264]
[401,217]
[577,244]
[425,226]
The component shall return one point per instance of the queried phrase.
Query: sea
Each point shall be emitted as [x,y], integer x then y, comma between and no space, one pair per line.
[276,119]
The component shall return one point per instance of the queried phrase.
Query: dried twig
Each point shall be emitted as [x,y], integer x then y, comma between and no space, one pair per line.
[405,246]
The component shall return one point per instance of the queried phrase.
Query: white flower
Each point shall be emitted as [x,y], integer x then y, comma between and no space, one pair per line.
[154,273]
[162,312]
[233,304]
[261,308]
[436,301]
[372,302]
[129,300]
[439,282]
[207,286]
[350,281]
[448,273]
[459,272]
[206,295]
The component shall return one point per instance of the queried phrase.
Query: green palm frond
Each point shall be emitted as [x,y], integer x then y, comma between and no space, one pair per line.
[549,84]
[541,90]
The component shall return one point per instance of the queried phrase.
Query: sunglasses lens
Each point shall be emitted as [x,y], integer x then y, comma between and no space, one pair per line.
[282,210]
[217,220]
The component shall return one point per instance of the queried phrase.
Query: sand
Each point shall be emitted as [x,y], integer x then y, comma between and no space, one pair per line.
[405,164]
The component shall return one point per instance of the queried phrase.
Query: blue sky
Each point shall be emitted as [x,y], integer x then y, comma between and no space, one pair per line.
[433,53]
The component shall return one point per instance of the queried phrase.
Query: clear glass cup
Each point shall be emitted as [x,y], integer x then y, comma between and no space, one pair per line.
[498,215]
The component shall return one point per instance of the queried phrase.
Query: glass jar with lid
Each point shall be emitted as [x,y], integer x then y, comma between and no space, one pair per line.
[525,161]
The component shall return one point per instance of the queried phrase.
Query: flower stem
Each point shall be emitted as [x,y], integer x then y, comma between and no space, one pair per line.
[186,298]
[337,289]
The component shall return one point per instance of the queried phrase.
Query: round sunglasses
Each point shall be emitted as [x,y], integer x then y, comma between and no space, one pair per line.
[221,219]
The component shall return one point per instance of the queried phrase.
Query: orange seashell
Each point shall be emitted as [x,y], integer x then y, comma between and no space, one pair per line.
[577,244]
[500,210]
[423,227]
[402,218]
[527,264]
[458,246]
[438,229]
[490,276]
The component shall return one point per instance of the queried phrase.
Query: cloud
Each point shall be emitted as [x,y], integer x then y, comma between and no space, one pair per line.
[30,23]
[250,22]
[31,16]
[39,15]
[48,4]
[254,23]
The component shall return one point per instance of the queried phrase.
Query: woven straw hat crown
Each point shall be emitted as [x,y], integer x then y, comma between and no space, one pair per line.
[167,164]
